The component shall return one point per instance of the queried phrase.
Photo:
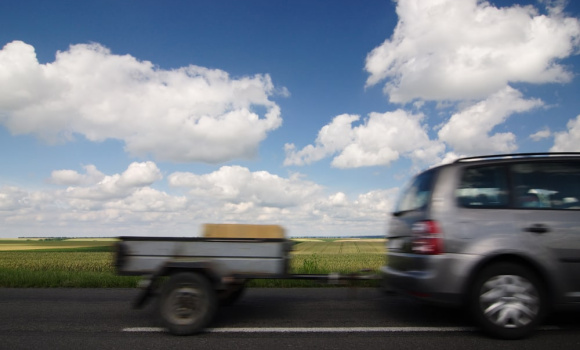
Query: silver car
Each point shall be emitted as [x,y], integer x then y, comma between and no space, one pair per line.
[498,234]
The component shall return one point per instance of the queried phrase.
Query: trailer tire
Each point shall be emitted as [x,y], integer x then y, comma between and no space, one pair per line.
[188,303]
[231,294]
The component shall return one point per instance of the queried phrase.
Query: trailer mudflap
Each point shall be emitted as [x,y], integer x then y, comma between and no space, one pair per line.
[148,285]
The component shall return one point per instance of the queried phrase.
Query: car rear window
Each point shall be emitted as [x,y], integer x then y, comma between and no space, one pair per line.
[483,187]
[417,194]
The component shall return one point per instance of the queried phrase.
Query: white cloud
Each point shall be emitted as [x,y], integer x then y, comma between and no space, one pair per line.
[461,54]
[236,184]
[331,138]
[73,178]
[542,134]
[379,140]
[450,157]
[568,141]
[468,131]
[147,199]
[136,176]
[469,49]
[126,204]
[555,7]
[366,213]
[187,114]
[12,198]
[117,204]
[140,174]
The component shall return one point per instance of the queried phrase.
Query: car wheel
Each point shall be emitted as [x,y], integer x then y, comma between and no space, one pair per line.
[188,303]
[508,301]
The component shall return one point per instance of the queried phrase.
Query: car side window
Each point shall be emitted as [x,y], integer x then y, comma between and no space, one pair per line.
[483,187]
[547,185]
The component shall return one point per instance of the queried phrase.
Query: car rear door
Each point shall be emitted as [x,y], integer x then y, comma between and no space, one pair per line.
[547,199]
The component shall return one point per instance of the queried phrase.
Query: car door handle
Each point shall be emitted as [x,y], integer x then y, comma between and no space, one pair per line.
[537,228]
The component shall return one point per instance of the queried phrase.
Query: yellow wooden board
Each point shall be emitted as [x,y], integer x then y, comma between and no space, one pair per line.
[242,231]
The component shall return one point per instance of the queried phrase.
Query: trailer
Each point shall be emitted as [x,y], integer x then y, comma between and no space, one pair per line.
[194,276]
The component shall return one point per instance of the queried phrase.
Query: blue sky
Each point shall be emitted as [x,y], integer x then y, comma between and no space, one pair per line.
[154,117]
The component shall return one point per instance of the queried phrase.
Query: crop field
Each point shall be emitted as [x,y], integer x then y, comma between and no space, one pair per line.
[54,244]
[351,246]
[88,262]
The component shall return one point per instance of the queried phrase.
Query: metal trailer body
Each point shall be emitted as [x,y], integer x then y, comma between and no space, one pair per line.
[227,256]
[193,276]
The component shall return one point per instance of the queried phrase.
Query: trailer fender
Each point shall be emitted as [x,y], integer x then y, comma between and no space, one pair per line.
[204,267]
[150,283]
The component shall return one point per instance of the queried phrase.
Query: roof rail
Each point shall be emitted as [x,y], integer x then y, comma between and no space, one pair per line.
[517,155]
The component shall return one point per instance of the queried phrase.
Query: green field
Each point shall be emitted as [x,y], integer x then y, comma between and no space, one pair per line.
[88,262]
[54,244]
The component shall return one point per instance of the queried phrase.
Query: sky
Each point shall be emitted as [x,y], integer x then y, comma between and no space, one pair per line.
[152,118]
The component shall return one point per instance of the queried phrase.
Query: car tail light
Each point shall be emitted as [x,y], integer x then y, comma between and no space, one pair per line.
[427,238]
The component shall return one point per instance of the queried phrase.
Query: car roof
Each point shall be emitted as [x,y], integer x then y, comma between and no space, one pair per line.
[518,156]
[505,158]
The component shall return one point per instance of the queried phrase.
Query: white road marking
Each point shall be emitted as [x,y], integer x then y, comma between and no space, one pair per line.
[314,329]
[324,329]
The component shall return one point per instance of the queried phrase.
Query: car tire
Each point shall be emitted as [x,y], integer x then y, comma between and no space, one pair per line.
[188,303]
[508,300]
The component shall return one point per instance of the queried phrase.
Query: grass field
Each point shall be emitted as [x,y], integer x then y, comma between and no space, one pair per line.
[88,262]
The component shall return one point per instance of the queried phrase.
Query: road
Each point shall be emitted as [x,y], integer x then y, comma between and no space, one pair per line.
[321,318]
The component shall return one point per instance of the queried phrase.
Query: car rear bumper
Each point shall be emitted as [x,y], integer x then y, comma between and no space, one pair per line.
[440,279]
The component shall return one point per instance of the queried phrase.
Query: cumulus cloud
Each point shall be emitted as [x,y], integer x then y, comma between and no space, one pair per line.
[136,176]
[449,157]
[331,138]
[187,114]
[236,194]
[461,50]
[468,131]
[569,140]
[238,185]
[542,134]
[555,7]
[463,55]
[117,204]
[12,198]
[379,140]
[127,204]
[73,178]
[147,199]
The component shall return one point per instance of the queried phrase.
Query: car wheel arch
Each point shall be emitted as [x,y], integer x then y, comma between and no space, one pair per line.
[514,258]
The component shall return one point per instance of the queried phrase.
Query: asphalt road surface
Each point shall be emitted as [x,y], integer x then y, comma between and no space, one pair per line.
[320,318]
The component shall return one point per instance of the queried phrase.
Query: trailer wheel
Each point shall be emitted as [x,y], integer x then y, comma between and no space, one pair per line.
[231,294]
[188,303]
